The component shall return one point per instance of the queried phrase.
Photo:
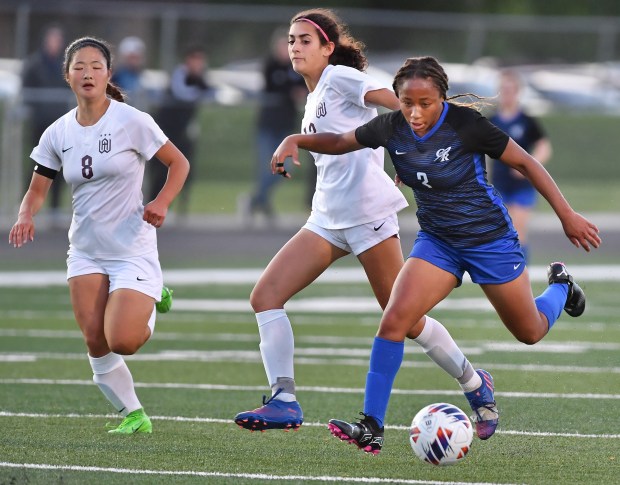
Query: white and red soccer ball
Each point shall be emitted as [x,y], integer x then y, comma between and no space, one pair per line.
[441,434]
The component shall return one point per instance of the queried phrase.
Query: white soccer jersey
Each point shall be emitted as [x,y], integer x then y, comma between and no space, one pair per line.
[352,188]
[104,164]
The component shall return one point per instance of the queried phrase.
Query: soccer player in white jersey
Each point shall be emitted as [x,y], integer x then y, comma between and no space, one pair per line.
[353,211]
[113,266]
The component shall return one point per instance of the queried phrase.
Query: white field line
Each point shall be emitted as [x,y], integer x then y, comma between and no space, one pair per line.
[475,346]
[362,306]
[347,304]
[251,275]
[319,389]
[315,424]
[251,476]
[252,356]
[335,346]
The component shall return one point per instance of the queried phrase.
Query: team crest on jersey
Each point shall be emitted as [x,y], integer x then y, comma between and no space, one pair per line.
[105,143]
[442,154]
[321,110]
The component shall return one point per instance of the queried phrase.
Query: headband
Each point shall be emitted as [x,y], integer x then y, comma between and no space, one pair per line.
[316,25]
[89,42]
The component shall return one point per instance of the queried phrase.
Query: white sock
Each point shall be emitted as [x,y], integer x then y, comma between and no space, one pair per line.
[277,347]
[112,375]
[439,345]
[471,384]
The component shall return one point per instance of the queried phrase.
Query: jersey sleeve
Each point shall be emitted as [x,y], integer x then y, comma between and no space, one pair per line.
[353,84]
[377,131]
[146,135]
[45,154]
[479,135]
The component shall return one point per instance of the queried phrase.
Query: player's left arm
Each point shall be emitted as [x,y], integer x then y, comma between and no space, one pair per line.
[580,231]
[178,168]
[382,97]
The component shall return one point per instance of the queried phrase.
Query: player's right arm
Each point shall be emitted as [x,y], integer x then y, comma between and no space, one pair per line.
[328,143]
[23,230]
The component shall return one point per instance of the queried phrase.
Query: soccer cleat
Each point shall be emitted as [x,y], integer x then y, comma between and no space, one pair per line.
[482,403]
[273,414]
[576,299]
[366,434]
[135,422]
[165,304]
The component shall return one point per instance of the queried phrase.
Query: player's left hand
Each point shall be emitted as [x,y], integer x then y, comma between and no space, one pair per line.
[155,213]
[581,232]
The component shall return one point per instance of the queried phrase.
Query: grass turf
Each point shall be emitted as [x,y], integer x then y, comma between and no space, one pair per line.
[552,429]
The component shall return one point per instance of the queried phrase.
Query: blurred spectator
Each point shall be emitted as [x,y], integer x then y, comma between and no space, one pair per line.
[47,96]
[518,193]
[129,70]
[176,117]
[277,118]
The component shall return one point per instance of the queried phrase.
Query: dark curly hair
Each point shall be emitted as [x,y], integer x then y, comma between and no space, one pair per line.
[347,50]
[429,68]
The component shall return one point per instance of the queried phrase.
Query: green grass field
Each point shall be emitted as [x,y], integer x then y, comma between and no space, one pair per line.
[558,399]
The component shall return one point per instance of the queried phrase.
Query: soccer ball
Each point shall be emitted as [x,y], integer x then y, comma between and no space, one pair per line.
[441,434]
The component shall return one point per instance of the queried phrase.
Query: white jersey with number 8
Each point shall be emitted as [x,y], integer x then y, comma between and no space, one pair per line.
[104,165]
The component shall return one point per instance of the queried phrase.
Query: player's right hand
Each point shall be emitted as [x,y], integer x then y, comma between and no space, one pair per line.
[22,232]
[288,148]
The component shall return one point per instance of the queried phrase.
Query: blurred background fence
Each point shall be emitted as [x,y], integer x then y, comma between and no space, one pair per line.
[569,64]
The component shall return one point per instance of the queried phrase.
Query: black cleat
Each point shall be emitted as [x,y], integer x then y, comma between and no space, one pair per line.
[366,434]
[576,299]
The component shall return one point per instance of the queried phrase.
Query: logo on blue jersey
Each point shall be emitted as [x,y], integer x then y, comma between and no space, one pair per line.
[321,110]
[105,143]
[442,154]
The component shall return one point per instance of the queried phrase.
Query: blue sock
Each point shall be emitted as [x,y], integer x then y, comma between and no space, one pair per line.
[385,359]
[552,301]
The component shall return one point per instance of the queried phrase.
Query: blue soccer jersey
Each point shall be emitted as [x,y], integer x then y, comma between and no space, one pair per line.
[526,131]
[446,168]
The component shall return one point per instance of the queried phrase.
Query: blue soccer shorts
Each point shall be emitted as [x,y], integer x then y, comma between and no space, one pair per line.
[492,263]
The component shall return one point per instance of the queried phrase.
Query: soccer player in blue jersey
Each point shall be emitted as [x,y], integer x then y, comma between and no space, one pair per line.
[438,148]
[518,193]
[353,211]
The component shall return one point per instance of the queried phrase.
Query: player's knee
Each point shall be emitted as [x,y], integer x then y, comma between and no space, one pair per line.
[529,337]
[255,300]
[263,298]
[392,328]
[95,343]
[125,346]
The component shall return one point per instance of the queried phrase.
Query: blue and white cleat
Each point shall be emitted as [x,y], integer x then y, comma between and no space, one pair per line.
[273,414]
[482,402]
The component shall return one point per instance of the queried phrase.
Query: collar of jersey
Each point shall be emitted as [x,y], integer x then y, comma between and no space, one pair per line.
[435,127]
